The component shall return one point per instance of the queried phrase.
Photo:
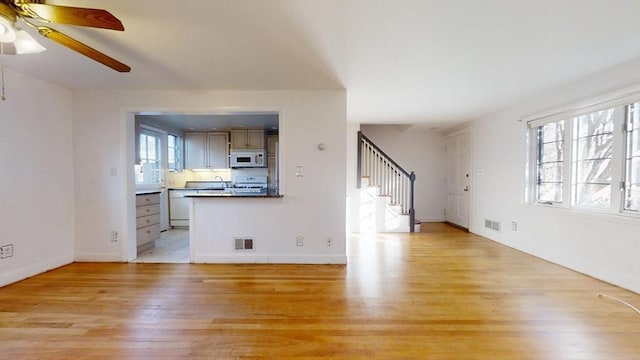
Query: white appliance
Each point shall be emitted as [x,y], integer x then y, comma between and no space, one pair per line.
[247,158]
[254,185]
[179,206]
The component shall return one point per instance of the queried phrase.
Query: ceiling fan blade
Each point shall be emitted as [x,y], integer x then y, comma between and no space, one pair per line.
[96,18]
[83,49]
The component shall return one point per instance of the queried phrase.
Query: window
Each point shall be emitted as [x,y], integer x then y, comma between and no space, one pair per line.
[148,171]
[550,157]
[632,159]
[582,155]
[174,160]
[592,146]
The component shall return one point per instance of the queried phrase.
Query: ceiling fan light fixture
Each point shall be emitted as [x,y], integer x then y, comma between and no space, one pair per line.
[26,44]
[7,31]
[15,41]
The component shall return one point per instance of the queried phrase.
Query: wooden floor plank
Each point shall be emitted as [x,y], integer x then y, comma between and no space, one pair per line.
[439,294]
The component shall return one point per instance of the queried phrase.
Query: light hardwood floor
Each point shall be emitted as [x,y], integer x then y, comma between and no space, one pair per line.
[440,294]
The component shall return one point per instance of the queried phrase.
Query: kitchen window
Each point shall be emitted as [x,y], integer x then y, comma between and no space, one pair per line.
[149,169]
[588,158]
[174,158]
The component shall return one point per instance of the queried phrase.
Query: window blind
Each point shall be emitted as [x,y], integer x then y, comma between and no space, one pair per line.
[610,100]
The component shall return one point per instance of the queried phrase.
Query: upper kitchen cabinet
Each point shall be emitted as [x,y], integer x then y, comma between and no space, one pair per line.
[247,139]
[206,150]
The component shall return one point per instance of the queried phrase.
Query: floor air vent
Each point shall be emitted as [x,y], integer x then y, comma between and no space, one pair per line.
[493,225]
[243,243]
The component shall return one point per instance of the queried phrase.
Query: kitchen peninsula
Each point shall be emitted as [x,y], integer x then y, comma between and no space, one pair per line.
[227,228]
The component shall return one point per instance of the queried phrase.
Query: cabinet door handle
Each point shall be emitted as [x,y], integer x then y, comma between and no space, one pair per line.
[148,231]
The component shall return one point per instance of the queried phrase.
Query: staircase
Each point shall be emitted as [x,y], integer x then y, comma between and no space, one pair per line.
[385,196]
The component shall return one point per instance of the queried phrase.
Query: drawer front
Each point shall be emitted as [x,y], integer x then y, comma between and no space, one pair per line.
[147,221]
[147,234]
[147,199]
[147,210]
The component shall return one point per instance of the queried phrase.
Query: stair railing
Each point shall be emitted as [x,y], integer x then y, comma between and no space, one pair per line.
[383,171]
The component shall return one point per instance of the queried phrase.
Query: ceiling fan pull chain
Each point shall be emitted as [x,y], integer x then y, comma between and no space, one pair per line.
[2,75]
[2,97]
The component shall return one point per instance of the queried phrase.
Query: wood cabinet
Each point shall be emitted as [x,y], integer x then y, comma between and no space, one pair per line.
[147,220]
[206,150]
[272,141]
[247,139]
[272,162]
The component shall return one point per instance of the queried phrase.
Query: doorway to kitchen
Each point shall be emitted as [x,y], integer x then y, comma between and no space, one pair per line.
[194,153]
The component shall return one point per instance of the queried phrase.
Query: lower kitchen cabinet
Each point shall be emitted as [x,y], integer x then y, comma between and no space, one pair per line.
[147,220]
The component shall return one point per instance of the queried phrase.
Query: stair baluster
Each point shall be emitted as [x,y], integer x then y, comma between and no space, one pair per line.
[384,172]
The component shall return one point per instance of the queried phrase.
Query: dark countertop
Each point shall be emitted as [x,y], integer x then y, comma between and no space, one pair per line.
[227,195]
[147,192]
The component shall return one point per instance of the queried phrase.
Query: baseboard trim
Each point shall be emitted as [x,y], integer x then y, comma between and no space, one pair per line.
[431,219]
[98,257]
[457,226]
[13,276]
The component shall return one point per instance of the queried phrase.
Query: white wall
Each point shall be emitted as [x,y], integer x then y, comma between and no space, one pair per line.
[217,221]
[605,247]
[421,151]
[36,182]
[313,205]
[353,198]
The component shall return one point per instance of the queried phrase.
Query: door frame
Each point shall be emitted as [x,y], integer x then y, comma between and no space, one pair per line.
[467,180]
[127,160]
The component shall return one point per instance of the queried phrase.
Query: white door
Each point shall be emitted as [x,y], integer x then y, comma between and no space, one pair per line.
[164,193]
[458,181]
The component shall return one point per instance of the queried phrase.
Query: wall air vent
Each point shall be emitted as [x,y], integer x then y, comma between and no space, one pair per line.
[493,225]
[243,243]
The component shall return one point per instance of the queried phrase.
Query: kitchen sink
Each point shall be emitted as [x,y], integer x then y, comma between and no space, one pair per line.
[214,190]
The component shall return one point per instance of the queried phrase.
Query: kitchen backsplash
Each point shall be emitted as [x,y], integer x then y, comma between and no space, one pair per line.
[179,178]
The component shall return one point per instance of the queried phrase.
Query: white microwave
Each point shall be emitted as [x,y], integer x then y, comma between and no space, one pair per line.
[247,158]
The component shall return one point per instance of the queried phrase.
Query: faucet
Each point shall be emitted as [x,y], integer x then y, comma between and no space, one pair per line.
[221,180]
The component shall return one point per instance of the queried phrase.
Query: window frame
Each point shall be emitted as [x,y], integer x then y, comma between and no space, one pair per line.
[628,133]
[158,136]
[177,153]
[537,132]
[618,164]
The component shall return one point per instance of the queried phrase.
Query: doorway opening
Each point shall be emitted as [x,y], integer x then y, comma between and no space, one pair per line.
[179,154]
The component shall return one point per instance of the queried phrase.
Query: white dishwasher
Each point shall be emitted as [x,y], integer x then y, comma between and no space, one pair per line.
[179,206]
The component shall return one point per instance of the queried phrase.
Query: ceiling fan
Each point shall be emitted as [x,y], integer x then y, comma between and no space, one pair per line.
[27,11]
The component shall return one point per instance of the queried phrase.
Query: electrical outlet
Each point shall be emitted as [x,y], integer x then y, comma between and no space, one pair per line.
[514,226]
[299,240]
[113,236]
[6,251]
[329,241]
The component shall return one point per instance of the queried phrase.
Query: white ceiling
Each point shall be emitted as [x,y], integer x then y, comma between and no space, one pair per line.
[436,63]
[212,122]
